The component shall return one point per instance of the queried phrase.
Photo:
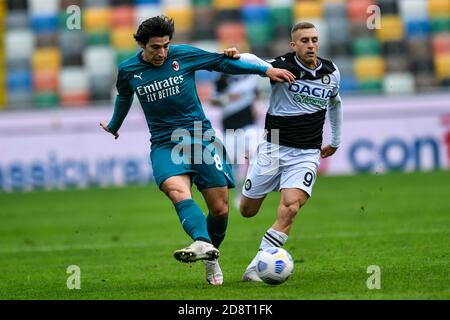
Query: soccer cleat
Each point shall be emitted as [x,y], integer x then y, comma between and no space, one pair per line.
[251,275]
[198,250]
[214,274]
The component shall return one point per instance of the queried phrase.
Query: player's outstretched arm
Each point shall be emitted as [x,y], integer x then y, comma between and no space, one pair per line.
[105,127]
[280,75]
[275,74]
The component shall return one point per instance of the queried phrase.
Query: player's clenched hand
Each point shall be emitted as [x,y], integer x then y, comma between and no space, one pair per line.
[232,53]
[105,127]
[327,151]
[280,75]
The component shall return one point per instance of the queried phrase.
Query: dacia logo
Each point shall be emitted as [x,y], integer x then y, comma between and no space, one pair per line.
[305,89]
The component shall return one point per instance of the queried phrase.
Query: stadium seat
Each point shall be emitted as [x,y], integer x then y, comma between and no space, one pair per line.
[45,99]
[418,48]
[16,5]
[123,16]
[43,7]
[440,25]
[74,86]
[343,36]
[122,38]
[97,19]
[48,59]
[370,86]
[369,68]
[281,19]
[422,65]
[357,9]
[259,34]
[366,46]
[438,8]
[349,85]
[417,28]
[71,43]
[398,83]
[442,66]
[397,63]
[97,38]
[66,3]
[45,80]
[45,23]
[231,32]
[345,65]
[393,48]
[19,99]
[305,10]
[413,10]
[202,3]
[19,45]
[203,23]
[73,79]
[227,4]
[19,80]
[46,40]
[335,9]
[425,81]
[359,29]
[441,43]
[100,60]
[122,55]
[388,7]
[183,17]
[255,14]
[74,99]
[146,2]
[17,20]
[96,3]
[143,12]
[391,28]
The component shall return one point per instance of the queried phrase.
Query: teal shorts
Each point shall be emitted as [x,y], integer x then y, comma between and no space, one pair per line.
[205,161]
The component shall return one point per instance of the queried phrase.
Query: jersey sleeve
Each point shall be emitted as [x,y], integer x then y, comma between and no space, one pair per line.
[199,59]
[123,101]
[338,81]
[122,84]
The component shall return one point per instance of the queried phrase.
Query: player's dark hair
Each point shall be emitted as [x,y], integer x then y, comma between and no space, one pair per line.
[302,25]
[159,26]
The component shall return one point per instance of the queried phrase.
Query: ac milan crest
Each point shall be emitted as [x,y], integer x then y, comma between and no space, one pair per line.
[175,65]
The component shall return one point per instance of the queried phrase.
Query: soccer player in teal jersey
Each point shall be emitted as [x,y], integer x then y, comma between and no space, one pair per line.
[163,78]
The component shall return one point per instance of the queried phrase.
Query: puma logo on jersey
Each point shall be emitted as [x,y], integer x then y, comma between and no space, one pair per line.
[138,75]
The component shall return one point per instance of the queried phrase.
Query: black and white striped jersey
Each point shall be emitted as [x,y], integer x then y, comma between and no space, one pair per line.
[298,110]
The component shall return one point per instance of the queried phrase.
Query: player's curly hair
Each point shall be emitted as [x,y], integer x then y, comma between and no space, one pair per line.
[159,26]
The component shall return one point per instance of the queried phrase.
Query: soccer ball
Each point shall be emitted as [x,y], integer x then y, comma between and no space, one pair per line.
[274,265]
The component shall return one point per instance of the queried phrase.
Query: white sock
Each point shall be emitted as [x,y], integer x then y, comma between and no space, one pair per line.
[272,238]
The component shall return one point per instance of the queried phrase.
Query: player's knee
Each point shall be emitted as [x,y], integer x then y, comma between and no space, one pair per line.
[247,211]
[220,209]
[177,195]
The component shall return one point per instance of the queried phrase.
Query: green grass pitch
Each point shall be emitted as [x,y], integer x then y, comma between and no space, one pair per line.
[123,238]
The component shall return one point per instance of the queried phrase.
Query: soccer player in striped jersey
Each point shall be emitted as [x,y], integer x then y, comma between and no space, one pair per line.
[288,159]
[162,76]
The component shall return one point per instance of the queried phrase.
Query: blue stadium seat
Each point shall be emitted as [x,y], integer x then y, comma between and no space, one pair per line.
[255,13]
[45,23]
[417,28]
[19,80]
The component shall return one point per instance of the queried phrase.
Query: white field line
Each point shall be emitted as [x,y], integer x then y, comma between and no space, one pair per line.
[341,235]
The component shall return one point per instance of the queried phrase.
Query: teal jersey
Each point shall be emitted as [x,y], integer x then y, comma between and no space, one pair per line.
[167,93]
